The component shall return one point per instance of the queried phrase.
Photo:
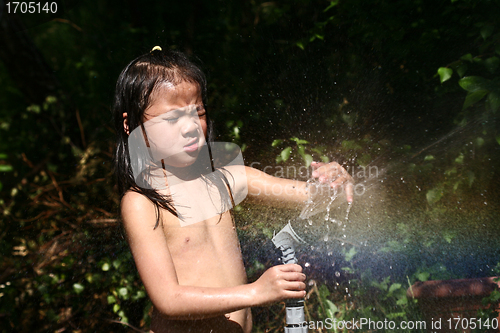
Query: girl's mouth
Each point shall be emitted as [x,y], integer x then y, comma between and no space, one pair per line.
[192,146]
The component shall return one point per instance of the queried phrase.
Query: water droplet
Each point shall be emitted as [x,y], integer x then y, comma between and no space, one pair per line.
[337,274]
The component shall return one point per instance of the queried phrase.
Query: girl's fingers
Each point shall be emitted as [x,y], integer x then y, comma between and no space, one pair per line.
[290,268]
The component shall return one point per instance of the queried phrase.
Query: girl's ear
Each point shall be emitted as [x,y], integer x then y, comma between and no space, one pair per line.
[125,123]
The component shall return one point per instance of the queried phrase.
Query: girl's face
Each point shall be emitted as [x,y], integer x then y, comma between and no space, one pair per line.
[176,124]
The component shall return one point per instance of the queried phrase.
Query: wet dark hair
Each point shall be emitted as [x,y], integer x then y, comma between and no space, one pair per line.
[133,95]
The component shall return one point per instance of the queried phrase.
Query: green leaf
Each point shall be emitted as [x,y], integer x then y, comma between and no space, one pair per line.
[308,160]
[493,101]
[105,267]
[460,159]
[116,307]
[394,287]
[123,292]
[111,299]
[300,45]
[349,255]
[6,168]
[299,141]
[3,156]
[276,142]
[474,83]
[332,4]
[467,57]
[462,69]
[285,154]
[444,73]
[434,195]
[492,64]
[471,177]
[116,263]
[331,309]
[428,158]
[448,236]
[423,276]
[301,150]
[473,97]
[498,138]
[479,141]
[78,288]
[486,31]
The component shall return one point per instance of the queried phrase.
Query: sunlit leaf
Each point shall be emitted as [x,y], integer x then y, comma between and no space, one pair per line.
[444,73]
[123,317]
[428,158]
[78,288]
[105,267]
[460,159]
[116,263]
[331,309]
[123,292]
[423,276]
[434,195]
[299,141]
[285,154]
[402,301]
[301,150]
[350,254]
[111,299]
[276,142]
[308,160]
[116,307]
[394,287]
[5,168]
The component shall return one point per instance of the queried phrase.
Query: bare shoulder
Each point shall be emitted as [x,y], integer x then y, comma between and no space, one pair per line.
[136,208]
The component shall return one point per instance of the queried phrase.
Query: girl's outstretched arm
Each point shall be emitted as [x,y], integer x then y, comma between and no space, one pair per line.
[274,190]
[156,269]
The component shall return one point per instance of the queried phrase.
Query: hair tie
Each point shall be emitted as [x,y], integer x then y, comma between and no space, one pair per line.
[156,48]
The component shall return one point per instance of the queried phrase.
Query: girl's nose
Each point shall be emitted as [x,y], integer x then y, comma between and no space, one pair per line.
[191,125]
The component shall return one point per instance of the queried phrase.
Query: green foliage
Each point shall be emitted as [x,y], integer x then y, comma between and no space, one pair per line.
[301,149]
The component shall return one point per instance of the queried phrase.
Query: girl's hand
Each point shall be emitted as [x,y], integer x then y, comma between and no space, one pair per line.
[336,175]
[279,283]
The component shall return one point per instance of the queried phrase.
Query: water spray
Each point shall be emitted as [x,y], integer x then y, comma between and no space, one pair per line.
[286,240]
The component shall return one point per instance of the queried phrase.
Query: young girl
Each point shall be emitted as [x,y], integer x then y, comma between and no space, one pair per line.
[176,202]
